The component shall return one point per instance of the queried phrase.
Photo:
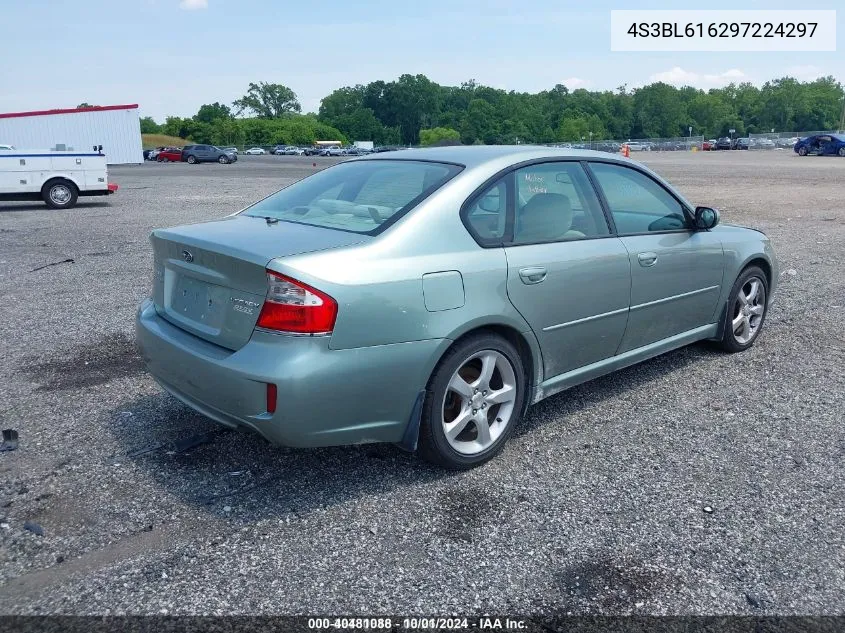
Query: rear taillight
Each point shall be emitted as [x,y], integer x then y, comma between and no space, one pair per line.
[292,306]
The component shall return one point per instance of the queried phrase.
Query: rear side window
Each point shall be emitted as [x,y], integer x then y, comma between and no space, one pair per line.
[487,213]
[637,203]
[359,196]
[556,202]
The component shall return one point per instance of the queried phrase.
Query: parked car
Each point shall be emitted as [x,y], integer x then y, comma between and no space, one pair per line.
[169,155]
[636,146]
[741,143]
[206,154]
[707,145]
[299,295]
[821,145]
[230,150]
[153,153]
[765,143]
[313,151]
[279,150]
[724,143]
[296,151]
[255,151]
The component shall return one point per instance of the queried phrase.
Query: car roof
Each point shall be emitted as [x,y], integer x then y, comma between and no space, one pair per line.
[477,155]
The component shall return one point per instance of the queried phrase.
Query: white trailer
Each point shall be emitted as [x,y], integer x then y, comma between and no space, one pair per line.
[56,177]
[117,128]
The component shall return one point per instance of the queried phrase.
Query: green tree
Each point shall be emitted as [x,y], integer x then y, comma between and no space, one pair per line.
[210,112]
[439,136]
[85,104]
[149,126]
[479,123]
[268,101]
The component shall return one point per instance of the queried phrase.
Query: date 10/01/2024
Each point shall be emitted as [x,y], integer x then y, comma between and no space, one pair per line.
[419,623]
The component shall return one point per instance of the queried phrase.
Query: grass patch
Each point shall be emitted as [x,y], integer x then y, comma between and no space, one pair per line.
[159,140]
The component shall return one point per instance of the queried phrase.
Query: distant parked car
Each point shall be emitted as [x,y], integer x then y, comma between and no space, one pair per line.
[635,146]
[169,155]
[724,143]
[153,153]
[766,143]
[255,151]
[230,150]
[821,145]
[741,143]
[707,146]
[206,154]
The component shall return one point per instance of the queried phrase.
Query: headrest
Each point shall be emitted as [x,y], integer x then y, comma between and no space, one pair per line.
[546,216]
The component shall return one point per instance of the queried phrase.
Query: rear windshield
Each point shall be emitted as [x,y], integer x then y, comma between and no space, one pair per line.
[359,196]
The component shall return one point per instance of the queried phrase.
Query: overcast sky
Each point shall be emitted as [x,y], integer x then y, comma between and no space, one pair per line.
[171,56]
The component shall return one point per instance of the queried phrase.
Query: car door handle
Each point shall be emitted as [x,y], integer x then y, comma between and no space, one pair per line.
[532,274]
[647,259]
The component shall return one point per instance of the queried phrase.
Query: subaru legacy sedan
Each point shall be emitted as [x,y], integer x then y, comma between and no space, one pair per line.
[428,297]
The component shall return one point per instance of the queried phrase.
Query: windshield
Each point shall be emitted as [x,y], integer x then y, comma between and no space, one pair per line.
[359,196]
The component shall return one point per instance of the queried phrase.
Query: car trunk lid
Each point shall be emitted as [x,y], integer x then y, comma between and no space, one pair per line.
[210,279]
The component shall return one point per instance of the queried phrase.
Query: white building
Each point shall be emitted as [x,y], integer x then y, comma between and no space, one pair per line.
[117,128]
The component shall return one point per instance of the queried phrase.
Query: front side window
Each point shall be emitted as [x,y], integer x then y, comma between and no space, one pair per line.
[556,202]
[637,203]
[359,196]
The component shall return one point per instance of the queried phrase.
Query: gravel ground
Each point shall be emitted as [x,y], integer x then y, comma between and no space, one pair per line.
[695,483]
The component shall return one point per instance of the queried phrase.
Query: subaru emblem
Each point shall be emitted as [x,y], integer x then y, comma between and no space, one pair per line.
[186,255]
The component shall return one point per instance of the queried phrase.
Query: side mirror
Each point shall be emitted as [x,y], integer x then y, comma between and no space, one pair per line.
[706,218]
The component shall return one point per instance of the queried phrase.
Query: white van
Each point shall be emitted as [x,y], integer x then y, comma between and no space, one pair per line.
[58,177]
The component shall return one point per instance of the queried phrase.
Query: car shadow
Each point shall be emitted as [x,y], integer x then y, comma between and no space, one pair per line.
[625,380]
[210,467]
[40,206]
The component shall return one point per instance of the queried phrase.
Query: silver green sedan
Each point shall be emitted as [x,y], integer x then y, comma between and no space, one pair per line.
[428,297]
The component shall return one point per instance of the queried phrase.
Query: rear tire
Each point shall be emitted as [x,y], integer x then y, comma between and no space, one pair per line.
[192,160]
[470,413]
[747,309]
[59,194]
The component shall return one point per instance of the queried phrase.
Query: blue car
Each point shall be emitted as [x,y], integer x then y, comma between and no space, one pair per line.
[821,145]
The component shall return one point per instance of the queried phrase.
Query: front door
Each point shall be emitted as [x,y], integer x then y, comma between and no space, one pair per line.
[676,272]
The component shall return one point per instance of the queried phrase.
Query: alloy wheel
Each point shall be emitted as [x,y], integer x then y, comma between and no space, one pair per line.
[749,308]
[479,402]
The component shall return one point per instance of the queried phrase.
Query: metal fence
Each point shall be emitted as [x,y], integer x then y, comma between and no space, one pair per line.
[770,141]
[671,144]
[780,140]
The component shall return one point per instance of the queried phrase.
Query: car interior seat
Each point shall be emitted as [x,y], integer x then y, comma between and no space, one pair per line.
[546,217]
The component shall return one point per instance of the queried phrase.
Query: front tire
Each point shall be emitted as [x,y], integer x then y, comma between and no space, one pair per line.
[747,308]
[473,401]
[60,194]
[802,151]
[223,160]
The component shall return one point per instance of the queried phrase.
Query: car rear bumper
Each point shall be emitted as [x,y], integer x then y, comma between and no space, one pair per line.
[325,397]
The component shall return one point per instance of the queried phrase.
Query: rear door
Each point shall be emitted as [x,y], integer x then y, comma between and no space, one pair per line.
[567,274]
[676,272]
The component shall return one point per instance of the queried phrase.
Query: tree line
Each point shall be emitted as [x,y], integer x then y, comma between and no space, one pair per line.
[413,110]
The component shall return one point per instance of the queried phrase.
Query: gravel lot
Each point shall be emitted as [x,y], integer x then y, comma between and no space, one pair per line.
[597,504]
